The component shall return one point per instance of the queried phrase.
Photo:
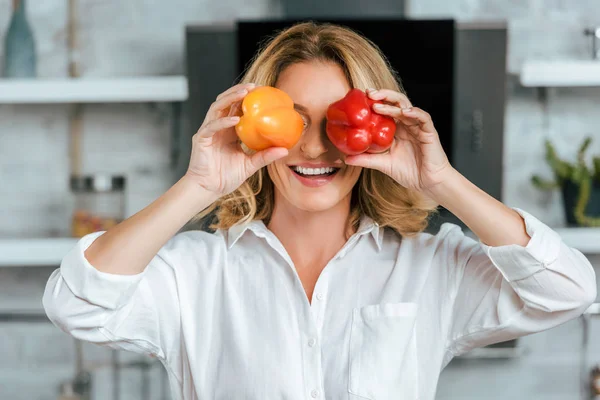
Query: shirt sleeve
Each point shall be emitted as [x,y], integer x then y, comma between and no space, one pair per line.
[501,293]
[138,313]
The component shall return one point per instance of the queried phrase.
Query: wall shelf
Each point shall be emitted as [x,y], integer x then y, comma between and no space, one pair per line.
[586,240]
[24,315]
[593,310]
[34,252]
[570,73]
[50,251]
[495,352]
[92,90]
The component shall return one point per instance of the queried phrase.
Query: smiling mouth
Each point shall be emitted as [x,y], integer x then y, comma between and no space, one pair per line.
[314,172]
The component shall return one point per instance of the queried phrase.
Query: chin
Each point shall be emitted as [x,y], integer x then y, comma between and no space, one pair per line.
[314,202]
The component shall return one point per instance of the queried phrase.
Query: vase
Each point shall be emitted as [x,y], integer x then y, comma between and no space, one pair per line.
[570,192]
[19,46]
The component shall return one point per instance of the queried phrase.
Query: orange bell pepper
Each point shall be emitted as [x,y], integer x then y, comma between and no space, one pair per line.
[269,120]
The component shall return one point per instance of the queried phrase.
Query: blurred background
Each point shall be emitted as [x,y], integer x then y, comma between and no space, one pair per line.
[99,100]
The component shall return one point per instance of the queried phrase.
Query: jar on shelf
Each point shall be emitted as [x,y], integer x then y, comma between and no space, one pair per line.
[99,203]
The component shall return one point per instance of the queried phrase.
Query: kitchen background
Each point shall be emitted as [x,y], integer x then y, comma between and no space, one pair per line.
[147,38]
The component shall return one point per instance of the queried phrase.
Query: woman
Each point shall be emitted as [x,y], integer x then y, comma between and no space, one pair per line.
[317,286]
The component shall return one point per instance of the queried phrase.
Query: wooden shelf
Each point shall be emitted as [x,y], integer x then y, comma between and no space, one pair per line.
[571,73]
[91,90]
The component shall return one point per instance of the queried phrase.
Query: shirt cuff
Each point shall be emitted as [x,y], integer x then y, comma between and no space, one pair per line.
[109,291]
[516,262]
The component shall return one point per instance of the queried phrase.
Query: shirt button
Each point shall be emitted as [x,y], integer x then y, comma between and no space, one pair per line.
[311,342]
[314,393]
[320,296]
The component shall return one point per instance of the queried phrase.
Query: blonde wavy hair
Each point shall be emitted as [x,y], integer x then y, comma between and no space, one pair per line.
[375,194]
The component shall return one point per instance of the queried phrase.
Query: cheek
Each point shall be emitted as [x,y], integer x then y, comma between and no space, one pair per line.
[277,172]
[352,174]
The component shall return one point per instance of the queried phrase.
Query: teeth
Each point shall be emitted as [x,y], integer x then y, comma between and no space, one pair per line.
[314,171]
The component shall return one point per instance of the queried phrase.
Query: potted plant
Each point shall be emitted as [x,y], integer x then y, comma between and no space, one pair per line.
[579,183]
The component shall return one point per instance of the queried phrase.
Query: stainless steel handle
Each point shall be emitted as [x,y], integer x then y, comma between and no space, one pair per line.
[477,131]
[595,34]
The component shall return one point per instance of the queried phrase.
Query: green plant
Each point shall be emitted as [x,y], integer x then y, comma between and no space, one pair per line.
[579,174]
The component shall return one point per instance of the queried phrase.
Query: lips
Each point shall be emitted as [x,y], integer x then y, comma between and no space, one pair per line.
[310,172]
[314,175]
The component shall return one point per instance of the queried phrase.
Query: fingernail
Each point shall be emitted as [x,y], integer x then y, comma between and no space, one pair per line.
[371,90]
[234,119]
[243,91]
[407,109]
[378,105]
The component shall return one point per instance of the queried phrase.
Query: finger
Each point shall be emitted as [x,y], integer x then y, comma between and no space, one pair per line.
[386,109]
[379,162]
[217,125]
[399,116]
[264,158]
[223,104]
[237,88]
[390,96]
[422,118]
[235,109]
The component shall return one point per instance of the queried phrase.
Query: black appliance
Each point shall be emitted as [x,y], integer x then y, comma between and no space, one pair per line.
[426,71]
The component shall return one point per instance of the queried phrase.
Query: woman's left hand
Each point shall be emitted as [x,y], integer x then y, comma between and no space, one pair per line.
[416,159]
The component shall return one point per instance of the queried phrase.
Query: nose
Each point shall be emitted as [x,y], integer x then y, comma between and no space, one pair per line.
[314,142]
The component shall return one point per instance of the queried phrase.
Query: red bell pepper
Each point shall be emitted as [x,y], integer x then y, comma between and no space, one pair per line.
[354,128]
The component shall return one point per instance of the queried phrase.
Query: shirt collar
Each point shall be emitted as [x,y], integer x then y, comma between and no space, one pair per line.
[235,232]
[366,225]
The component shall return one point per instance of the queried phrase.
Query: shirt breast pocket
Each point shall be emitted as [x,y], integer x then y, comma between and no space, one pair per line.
[383,352]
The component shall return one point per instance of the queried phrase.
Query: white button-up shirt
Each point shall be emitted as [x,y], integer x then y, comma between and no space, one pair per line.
[227,314]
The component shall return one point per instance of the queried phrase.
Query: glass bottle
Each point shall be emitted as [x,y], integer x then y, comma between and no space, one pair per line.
[19,46]
[99,203]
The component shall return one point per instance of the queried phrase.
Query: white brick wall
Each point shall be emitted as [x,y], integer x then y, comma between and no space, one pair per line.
[545,29]
[146,38]
[118,39]
[539,29]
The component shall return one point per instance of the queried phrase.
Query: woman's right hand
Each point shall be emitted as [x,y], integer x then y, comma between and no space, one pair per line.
[218,163]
